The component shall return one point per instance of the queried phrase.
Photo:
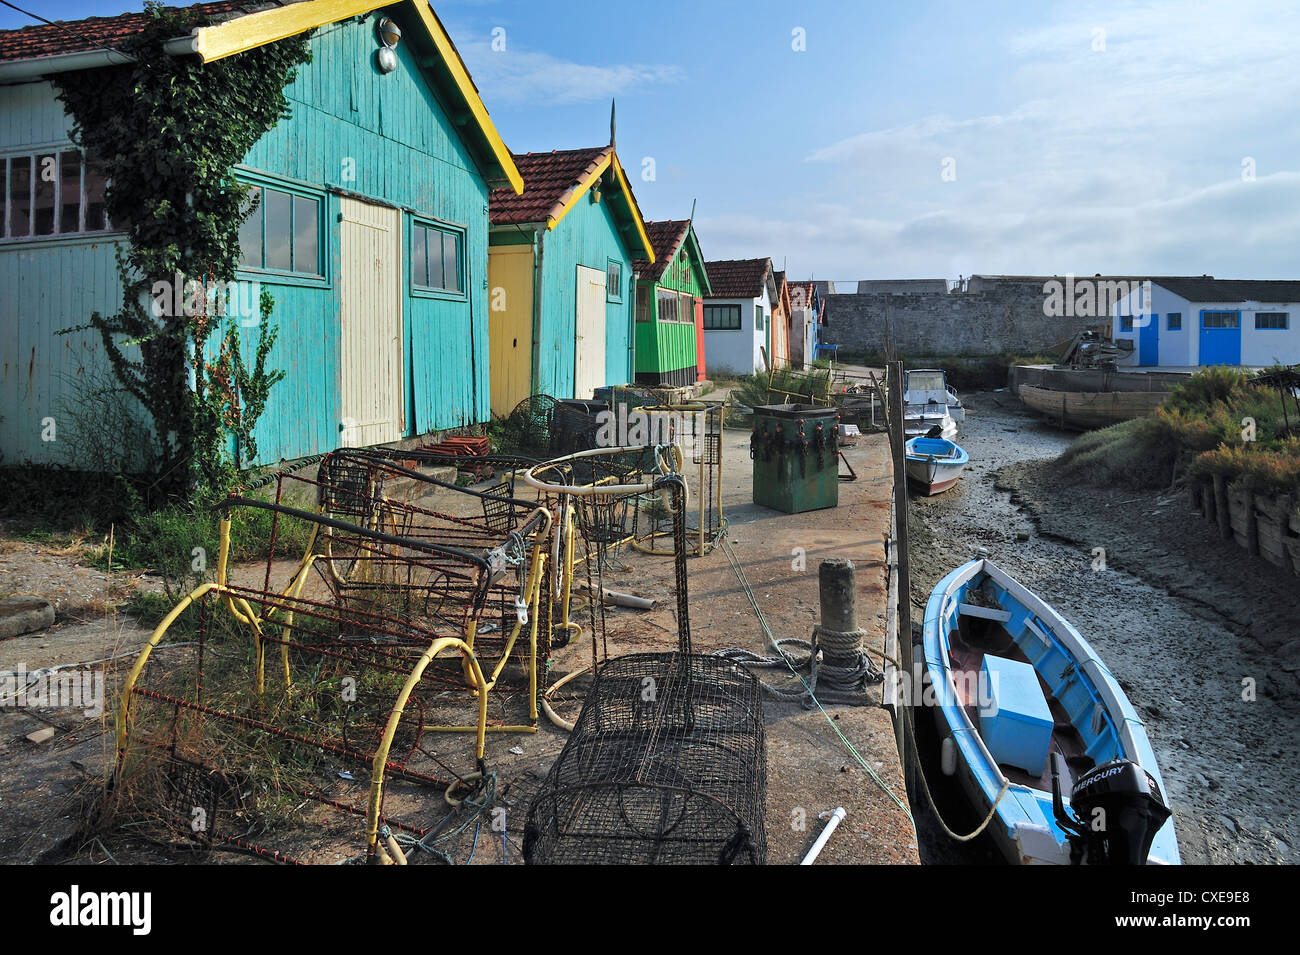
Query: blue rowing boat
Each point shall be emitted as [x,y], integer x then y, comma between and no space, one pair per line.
[1025,705]
[934,464]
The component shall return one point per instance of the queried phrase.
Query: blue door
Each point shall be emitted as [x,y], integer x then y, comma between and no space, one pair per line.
[1220,338]
[1149,341]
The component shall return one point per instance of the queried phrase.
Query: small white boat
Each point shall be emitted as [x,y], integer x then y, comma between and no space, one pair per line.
[928,403]
[1024,704]
[934,464]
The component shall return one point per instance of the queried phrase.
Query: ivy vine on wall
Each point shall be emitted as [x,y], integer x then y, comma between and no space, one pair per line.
[166,131]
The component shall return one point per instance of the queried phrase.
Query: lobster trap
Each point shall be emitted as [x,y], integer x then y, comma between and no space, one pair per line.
[666,761]
[696,430]
[310,708]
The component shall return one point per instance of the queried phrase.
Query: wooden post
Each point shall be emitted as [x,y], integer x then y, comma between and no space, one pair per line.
[1252,523]
[897,439]
[1222,507]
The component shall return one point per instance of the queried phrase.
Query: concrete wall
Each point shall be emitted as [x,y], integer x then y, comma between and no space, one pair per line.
[1004,314]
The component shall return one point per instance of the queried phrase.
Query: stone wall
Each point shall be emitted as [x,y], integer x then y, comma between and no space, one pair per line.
[1001,315]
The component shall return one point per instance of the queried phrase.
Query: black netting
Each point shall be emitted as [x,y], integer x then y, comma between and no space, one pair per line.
[666,765]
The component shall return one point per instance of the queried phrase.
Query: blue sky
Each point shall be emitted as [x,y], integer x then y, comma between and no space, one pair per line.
[1126,138]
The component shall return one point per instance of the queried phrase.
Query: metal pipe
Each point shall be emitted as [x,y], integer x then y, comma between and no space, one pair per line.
[836,817]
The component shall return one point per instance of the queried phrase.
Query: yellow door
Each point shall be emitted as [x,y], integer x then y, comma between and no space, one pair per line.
[510,325]
[370,294]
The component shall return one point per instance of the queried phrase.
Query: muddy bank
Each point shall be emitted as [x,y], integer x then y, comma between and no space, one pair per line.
[1180,617]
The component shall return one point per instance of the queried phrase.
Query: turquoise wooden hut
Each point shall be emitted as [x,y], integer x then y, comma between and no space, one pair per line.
[670,307]
[560,271]
[371,233]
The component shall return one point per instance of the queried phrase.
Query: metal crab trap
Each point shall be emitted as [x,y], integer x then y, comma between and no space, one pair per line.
[695,429]
[666,761]
[292,715]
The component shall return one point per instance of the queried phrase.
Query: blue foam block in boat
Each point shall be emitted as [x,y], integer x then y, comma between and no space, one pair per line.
[1017,724]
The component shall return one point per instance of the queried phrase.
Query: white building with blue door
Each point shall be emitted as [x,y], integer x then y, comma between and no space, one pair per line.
[1189,322]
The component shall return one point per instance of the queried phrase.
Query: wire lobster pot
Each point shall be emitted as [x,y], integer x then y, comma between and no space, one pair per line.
[666,761]
[316,706]
[696,430]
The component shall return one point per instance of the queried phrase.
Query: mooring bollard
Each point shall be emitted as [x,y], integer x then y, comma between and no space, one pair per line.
[844,667]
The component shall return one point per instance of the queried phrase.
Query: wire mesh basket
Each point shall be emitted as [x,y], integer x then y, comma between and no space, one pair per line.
[665,766]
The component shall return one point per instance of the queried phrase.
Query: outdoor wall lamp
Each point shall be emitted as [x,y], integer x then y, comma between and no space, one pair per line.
[389,35]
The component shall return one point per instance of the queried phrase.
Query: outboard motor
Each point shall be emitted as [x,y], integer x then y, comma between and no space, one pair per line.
[1116,809]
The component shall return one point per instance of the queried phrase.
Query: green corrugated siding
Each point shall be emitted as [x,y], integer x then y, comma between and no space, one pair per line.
[663,347]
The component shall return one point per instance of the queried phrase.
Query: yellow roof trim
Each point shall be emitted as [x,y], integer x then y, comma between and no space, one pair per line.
[571,197]
[636,210]
[466,86]
[256,29]
[583,186]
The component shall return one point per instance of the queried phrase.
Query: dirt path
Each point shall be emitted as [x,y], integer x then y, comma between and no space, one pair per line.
[1180,617]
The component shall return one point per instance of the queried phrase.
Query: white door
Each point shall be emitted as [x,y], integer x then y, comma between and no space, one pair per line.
[370,293]
[589,344]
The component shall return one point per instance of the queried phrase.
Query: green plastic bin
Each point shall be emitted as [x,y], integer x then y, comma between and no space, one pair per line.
[796,457]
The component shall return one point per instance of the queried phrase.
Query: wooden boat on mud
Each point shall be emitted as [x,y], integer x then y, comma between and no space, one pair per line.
[934,464]
[1084,410]
[1020,697]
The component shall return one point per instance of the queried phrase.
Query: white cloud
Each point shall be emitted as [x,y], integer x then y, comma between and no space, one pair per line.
[517,77]
[1127,160]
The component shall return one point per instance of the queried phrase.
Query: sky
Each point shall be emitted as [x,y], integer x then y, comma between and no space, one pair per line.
[915,139]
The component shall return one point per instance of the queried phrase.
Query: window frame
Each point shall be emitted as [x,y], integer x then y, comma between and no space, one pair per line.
[1285,326]
[722,328]
[319,279]
[1206,313]
[614,290]
[663,294]
[1126,323]
[32,155]
[460,234]
[1169,322]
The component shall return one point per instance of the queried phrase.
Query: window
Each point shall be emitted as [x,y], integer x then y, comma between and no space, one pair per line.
[758,318]
[686,310]
[435,258]
[722,317]
[643,303]
[666,299]
[1220,319]
[614,281]
[1126,323]
[282,233]
[51,194]
[1175,321]
[1277,320]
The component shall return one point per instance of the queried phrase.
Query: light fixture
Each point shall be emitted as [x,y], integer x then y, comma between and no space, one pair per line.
[389,35]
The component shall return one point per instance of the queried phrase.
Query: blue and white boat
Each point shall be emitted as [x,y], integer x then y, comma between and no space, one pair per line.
[1020,696]
[934,464]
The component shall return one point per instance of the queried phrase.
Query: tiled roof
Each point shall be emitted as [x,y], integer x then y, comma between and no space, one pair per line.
[665,236]
[548,177]
[1208,289]
[100,33]
[738,278]
[803,293]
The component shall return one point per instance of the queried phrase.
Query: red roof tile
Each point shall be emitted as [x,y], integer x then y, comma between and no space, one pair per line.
[548,177]
[99,33]
[738,278]
[665,237]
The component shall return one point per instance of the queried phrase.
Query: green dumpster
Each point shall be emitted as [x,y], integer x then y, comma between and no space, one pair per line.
[796,457]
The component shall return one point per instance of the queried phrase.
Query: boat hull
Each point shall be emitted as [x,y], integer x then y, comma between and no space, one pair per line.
[1085,698]
[1085,410]
[934,473]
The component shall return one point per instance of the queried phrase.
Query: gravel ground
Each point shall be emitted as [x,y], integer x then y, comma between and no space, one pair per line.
[1183,619]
